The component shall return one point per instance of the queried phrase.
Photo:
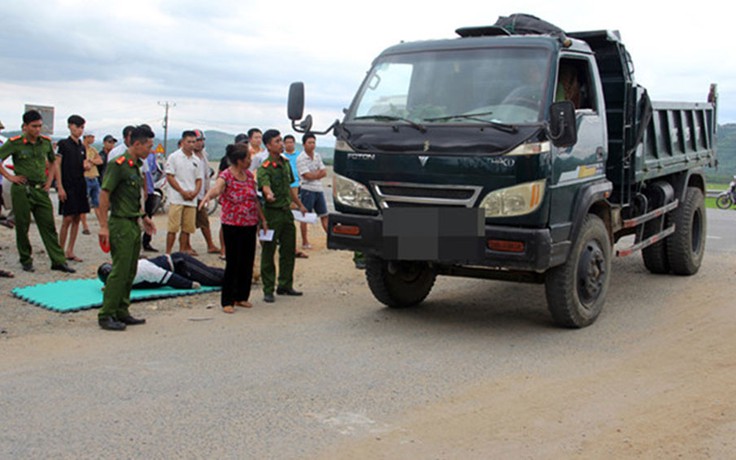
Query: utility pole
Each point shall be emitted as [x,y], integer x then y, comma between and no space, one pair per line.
[166,105]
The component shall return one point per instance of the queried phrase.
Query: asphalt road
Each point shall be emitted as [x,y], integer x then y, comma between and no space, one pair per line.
[298,378]
[721,230]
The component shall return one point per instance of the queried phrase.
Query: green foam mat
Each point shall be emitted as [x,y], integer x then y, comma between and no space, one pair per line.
[74,295]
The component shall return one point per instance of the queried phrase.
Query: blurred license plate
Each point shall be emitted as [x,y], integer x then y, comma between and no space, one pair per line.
[433,234]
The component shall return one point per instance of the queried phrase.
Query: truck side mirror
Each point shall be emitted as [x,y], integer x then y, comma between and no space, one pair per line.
[562,128]
[296,111]
[296,101]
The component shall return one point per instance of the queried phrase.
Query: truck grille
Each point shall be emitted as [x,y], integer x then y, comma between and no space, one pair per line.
[391,195]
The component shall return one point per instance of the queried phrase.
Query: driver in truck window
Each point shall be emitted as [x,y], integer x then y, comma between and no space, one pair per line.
[568,86]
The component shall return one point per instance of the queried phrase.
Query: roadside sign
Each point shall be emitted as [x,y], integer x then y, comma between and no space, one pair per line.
[159,148]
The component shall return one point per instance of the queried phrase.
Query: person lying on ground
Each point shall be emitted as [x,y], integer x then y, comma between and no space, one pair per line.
[177,270]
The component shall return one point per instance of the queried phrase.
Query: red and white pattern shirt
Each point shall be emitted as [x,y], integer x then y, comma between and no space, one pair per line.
[239,201]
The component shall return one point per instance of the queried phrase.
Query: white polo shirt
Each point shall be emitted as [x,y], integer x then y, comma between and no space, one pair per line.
[304,164]
[185,170]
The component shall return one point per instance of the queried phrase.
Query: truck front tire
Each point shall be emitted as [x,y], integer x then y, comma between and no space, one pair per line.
[685,247]
[576,290]
[399,284]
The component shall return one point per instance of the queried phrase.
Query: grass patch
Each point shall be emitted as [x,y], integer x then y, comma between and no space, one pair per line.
[711,203]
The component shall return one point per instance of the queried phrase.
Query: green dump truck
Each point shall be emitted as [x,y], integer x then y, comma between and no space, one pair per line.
[516,157]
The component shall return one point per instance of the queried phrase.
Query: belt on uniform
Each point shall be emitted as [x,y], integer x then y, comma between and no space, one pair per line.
[29,184]
[133,218]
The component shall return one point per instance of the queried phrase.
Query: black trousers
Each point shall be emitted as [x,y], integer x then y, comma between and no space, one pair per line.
[240,251]
[191,268]
[149,204]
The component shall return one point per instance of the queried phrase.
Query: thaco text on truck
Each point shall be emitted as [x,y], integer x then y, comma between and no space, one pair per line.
[516,157]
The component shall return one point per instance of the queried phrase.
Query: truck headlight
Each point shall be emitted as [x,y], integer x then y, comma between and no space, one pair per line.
[531,148]
[351,193]
[514,201]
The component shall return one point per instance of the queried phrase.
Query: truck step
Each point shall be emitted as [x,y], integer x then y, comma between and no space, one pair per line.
[633,222]
[649,241]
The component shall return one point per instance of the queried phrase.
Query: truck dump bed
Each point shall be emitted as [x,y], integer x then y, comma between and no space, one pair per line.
[646,139]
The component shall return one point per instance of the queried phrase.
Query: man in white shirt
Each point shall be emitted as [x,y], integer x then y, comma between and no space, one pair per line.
[185,181]
[203,219]
[120,149]
[311,170]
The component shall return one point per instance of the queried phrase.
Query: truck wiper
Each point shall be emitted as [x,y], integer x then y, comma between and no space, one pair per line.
[475,117]
[411,123]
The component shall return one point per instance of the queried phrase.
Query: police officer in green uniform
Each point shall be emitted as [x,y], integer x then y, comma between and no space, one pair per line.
[121,194]
[32,155]
[275,178]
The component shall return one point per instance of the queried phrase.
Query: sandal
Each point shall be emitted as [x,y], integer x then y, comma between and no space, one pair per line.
[306,246]
[228,309]
[6,274]
[243,303]
[301,255]
[74,258]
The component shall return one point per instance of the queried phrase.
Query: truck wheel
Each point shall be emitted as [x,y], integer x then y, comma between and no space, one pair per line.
[399,284]
[685,247]
[655,258]
[576,290]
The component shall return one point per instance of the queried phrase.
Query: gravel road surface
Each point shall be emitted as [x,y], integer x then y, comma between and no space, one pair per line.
[478,371]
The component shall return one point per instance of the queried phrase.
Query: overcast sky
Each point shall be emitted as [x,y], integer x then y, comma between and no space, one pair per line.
[227,64]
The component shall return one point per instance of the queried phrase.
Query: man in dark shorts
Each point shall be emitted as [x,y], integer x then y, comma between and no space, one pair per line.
[73,201]
[312,170]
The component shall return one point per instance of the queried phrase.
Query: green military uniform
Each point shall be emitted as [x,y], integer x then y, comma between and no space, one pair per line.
[29,160]
[278,176]
[124,182]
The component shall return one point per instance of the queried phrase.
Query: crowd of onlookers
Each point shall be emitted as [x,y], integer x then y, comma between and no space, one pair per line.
[263,183]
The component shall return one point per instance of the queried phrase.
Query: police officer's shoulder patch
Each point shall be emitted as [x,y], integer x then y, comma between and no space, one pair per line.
[120,160]
[15,138]
[46,137]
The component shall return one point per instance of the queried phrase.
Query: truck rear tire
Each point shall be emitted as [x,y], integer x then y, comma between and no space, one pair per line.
[655,258]
[685,247]
[576,290]
[399,284]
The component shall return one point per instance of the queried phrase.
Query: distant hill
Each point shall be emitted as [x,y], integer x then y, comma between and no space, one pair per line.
[217,141]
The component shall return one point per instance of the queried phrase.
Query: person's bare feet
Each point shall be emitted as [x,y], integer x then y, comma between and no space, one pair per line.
[228,309]
[244,304]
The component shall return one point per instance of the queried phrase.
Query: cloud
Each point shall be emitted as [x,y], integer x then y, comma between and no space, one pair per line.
[229,64]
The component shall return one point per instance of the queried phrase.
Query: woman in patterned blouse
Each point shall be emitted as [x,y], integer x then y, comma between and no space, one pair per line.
[241,212]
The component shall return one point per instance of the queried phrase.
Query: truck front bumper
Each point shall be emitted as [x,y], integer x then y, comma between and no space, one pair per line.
[500,247]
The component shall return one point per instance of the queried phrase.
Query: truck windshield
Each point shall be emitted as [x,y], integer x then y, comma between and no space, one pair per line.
[501,87]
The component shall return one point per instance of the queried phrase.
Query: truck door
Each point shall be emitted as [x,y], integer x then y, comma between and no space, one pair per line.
[586,160]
